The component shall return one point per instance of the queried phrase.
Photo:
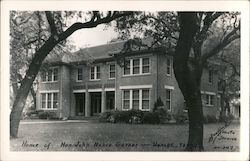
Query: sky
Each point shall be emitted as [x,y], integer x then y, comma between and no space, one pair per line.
[92,37]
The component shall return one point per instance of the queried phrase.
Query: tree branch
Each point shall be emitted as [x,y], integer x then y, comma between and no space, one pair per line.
[226,41]
[90,24]
[51,23]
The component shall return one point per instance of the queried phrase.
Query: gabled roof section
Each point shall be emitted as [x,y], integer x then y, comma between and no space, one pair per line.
[93,53]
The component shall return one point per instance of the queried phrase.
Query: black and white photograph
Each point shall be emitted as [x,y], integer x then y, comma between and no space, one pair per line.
[125,80]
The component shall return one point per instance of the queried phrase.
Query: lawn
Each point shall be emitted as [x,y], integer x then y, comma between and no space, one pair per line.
[87,136]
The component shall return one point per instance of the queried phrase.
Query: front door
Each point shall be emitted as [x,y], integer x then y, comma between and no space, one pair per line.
[80,104]
[110,100]
[95,103]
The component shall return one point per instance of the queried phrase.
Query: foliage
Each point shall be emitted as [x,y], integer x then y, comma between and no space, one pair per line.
[135,116]
[210,119]
[226,118]
[151,118]
[158,103]
[181,118]
[47,115]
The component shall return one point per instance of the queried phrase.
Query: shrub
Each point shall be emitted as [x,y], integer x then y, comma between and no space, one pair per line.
[158,103]
[135,116]
[210,119]
[150,118]
[47,115]
[181,118]
[105,116]
[227,118]
[163,115]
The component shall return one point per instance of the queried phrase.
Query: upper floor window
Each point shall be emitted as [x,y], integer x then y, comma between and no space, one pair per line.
[168,66]
[137,66]
[50,75]
[95,73]
[112,71]
[210,76]
[79,74]
[49,100]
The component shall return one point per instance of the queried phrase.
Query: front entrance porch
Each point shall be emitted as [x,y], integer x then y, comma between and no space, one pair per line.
[92,103]
[95,103]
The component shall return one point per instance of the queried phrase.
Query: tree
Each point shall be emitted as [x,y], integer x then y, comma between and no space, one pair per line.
[56,24]
[188,37]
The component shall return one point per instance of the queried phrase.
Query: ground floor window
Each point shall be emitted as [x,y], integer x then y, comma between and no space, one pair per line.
[168,99]
[49,100]
[208,99]
[136,99]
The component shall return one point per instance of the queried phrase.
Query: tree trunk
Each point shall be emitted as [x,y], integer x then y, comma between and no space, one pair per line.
[188,75]
[26,84]
[33,93]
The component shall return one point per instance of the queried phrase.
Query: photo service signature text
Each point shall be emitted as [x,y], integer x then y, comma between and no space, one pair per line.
[222,134]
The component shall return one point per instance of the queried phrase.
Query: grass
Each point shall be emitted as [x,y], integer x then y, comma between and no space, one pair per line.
[82,136]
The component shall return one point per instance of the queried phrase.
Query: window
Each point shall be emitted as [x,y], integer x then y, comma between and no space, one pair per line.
[185,106]
[137,66]
[210,76]
[145,65]
[79,74]
[127,68]
[95,73]
[55,75]
[209,100]
[50,76]
[98,72]
[168,99]
[55,100]
[112,71]
[49,100]
[136,99]
[92,73]
[126,99]
[43,100]
[168,66]
[145,99]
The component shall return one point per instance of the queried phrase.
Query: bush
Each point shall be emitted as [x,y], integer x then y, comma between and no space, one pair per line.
[150,118]
[181,118]
[210,119]
[227,118]
[158,103]
[47,115]
[105,116]
[163,115]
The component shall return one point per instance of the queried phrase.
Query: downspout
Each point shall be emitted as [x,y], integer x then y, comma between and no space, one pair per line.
[61,86]
[157,75]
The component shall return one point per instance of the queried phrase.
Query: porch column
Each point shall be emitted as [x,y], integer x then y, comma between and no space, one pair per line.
[103,101]
[87,104]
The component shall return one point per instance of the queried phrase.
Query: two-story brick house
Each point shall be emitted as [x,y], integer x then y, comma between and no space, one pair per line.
[90,81]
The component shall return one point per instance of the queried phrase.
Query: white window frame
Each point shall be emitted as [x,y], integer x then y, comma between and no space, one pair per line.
[51,101]
[140,67]
[112,71]
[169,66]
[77,74]
[47,75]
[95,73]
[131,99]
[209,99]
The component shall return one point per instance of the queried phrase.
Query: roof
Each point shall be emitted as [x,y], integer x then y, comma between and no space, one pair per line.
[105,51]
